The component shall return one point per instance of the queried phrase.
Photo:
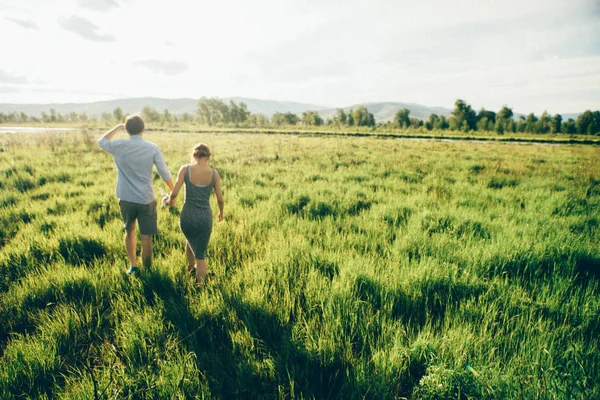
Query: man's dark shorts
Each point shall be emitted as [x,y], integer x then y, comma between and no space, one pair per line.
[145,214]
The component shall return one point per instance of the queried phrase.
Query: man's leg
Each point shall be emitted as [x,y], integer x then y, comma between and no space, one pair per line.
[129,215]
[148,220]
[146,250]
[130,245]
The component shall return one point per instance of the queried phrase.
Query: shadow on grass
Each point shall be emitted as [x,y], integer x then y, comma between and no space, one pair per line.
[237,373]
[432,299]
[531,266]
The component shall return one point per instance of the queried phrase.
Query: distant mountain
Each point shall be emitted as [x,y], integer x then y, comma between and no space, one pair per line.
[270,107]
[382,111]
[385,111]
[175,106]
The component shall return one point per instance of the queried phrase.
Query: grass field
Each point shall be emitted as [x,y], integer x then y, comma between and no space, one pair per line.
[346,267]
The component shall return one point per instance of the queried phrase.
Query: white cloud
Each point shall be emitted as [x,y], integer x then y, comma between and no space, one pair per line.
[84,28]
[23,23]
[531,55]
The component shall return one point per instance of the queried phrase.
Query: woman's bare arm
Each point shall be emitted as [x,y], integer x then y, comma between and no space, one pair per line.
[177,187]
[219,196]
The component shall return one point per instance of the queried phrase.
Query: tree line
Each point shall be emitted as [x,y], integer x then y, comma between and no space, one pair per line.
[215,112]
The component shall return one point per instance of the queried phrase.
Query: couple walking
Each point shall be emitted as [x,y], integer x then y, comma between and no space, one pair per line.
[134,158]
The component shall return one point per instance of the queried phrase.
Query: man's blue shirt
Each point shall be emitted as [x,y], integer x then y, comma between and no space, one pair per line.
[134,158]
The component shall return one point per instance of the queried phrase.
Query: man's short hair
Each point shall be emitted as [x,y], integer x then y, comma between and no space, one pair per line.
[134,125]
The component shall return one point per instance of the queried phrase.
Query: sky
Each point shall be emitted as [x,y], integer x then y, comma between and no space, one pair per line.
[531,55]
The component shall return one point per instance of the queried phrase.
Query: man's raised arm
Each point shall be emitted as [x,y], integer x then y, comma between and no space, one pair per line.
[104,141]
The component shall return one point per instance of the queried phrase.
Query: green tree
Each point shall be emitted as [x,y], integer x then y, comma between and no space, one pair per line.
[595,127]
[485,120]
[238,112]
[511,126]
[119,114]
[278,119]
[290,118]
[416,123]
[284,119]
[166,116]
[433,122]
[402,118]
[521,124]
[257,120]
[543,123]
[569,126]
[150,114]
[483,124]
[555,124]
[505,114]
[499,127]
[463,117]
[443,123]
[340,117]
[588,123]
[362,117]
[312,118]
[212,111]
[371,120]
[351,117]
[531,123]
[505,120]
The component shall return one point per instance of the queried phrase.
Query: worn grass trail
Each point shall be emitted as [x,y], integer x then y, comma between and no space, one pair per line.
[345,268]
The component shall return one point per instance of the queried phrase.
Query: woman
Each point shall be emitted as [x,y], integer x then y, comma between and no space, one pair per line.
[195,220]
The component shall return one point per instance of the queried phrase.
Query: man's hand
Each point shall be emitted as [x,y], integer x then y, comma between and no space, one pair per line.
[109,135]
[166,198]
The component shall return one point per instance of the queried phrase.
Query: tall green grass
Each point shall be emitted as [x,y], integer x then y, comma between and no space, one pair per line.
[345,268]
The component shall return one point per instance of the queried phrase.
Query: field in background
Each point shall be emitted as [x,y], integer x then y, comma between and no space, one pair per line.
[99,127]
[346,267]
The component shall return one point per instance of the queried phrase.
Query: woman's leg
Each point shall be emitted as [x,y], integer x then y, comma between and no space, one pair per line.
[189,254]
[200,271]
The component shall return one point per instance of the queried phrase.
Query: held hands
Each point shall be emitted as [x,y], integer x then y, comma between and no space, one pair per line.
[167,199]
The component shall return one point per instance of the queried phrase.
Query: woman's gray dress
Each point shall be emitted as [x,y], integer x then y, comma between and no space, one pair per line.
[195,220]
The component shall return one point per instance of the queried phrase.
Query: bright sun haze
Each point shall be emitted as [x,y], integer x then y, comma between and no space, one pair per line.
[532,56]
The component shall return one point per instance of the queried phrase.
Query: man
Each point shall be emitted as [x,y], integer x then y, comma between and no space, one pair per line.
[134,158]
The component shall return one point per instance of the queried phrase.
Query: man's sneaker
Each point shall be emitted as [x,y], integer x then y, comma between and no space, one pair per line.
[133,270]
